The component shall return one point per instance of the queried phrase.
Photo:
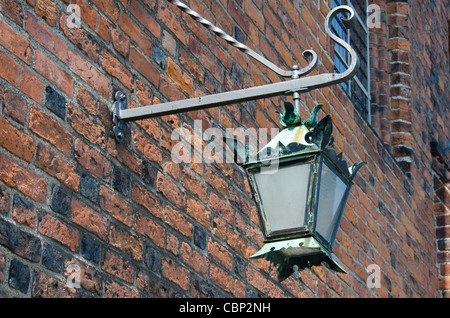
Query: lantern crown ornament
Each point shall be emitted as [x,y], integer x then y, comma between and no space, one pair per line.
[301,187]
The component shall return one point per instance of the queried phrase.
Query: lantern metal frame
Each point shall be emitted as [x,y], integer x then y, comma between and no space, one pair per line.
[301,142]
[316,159]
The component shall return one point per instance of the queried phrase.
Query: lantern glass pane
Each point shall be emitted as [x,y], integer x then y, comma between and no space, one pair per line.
[332,192]
[283,196]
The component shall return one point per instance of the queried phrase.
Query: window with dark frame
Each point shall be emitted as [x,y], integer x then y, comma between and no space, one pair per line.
[358,88]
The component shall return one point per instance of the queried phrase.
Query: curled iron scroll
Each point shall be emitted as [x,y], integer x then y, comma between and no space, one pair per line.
[348,23]
[308,54]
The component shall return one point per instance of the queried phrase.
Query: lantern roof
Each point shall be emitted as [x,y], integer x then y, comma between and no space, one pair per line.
[302,137]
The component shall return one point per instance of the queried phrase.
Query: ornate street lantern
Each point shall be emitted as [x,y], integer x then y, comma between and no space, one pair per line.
[301,188]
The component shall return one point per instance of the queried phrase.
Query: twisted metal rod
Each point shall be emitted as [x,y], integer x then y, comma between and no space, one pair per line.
[294,73]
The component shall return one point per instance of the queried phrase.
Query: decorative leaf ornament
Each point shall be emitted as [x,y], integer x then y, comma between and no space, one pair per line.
[291,117]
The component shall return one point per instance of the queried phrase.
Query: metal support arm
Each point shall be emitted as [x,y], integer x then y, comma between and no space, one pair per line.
[295,86]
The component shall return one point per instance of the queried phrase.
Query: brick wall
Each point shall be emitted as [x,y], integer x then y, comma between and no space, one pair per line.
[134,223]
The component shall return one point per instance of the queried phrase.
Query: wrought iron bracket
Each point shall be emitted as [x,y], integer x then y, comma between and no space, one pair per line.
[295,86]
[120,126]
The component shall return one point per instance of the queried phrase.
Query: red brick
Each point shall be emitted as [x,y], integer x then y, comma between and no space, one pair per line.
[84,125]
[126,242]
[115,290]
[145,18]
[198,262]
[237,242]
[255,15]
[16,141]
[120,42]
[238,16]
[53,73]
[59,231]
[172,243]
[399,44]
[147,148]
[222,278]
[170,190]
[21,78]
[90,280]
[46,37]
[177,221]
[193,68]
[94,20]
[47,10]
[238,200]
[24,215]
[194,185]
[199,213]
[49,129]
[121,152]
[89,219]
[175,273]
[22,179]
[4,201]
[89,73]
[80,38]
[15,106]
[216,181]
[14,42]
[92,160]
[135,33]
[220,254]
[12,10]
[45,286]
[109,8]
[114,68]
[56,166]
[169,90]
[86,100]
[169,19]
[147,200]
[143,65]
[210,64]
[222,208]
[116,206]
[256,279]
[146,226]
[116,265]
[184,81]
[150,286]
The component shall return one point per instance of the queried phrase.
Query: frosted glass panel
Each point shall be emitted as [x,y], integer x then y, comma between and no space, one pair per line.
[284,195]
[332,191]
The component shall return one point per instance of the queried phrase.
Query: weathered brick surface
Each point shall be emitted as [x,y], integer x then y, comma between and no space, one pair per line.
[137,224]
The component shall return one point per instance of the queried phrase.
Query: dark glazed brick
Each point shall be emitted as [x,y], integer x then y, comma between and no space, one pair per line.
[53,259]
[55,102]
[20,242]
[19,276]
[4,201]
[61,201]
[121,181]
[90,249]
[200,237]
[89,187]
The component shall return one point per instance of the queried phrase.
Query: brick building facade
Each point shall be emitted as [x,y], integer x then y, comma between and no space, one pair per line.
[131,222]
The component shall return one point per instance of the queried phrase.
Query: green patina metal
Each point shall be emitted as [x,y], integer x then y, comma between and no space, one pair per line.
[303,137]
[300,140]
